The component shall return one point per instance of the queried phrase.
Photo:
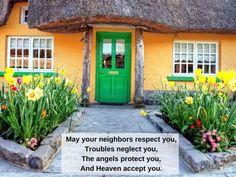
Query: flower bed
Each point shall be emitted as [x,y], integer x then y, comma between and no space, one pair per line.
[33,106]
[204,114]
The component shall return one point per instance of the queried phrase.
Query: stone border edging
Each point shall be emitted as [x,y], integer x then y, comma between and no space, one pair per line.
[41,157]
[197,160]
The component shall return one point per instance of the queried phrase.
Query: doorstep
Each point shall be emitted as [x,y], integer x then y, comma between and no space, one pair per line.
[40,158]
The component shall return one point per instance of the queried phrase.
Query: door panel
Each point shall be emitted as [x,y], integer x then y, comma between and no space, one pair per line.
[113,67]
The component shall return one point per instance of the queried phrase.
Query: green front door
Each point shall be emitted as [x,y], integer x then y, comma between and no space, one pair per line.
[113,67]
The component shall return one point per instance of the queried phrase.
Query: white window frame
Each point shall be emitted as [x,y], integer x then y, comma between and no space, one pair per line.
[31,38]
[23,9]
[195,43]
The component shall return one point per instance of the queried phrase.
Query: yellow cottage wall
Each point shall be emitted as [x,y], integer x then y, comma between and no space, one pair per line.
[68,50]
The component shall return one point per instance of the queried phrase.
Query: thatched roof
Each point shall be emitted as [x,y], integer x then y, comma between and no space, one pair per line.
[217,16]
[5,9]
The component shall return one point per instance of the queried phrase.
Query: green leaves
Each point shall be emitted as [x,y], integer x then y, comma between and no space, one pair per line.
[210,110]
[24,119]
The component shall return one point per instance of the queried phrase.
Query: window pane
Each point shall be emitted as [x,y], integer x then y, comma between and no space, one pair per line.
[13,53]
[26,43]
[177,68]
[42,53]
[49,43]
[184,47]
[177,47]
[42,43]
[19,43]
[177,57]
[184,68]
[13,43]
[213,48]
[19,53]
[190,68]
[19,63]
[199,66]
[213,69]
[25,63]
[206,58]
[35,64]
[199,58]
[120,53]
[206,69]
[200,48]
[49,64]
[36,43]
[206,48]
[35,54]
[49,54]
[190,48]
[213,58]
[42,63]
[184,58]
[12,63]
[26,52]
[190,58]
[107,49]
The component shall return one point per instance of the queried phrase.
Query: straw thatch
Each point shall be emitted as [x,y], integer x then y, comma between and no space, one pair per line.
[217,16]
[5,9]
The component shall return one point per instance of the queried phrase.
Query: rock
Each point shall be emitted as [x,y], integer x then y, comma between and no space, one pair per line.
[40,159]
[223,158]
[198,160]
[14,153]
[184,145]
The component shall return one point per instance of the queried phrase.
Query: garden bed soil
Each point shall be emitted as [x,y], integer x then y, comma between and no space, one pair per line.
[40,158]
[196,159]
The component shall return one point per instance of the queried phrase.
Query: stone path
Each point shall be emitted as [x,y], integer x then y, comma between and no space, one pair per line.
[104,119]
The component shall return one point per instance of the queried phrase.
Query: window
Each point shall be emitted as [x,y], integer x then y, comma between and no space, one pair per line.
[30,53]
[24,15]
[188,56]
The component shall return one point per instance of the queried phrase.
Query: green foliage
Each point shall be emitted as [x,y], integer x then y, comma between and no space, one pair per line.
[206,109]
[33,107]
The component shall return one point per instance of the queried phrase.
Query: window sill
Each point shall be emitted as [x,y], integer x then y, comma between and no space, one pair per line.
[19,74]
[180,78]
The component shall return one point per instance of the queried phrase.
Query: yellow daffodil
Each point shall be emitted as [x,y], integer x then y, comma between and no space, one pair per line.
[34,95]
[39,92]
[228,76]
[10,71]
[211,80]
[221,75]
[189,100]
[232,85]
[9,79]
[88,89]
[74,90]
[220,86]
[190,118]
[171,84]
[68,82]
[143,113]
[58,80]
[198,72]
[220,94]
[62,72]
[164,81]
[202,79]
[204,89]
[26,79]
[40,84]
[31,95]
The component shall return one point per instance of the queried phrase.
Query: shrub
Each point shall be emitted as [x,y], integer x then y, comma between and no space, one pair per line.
[33,106]
[206,113]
